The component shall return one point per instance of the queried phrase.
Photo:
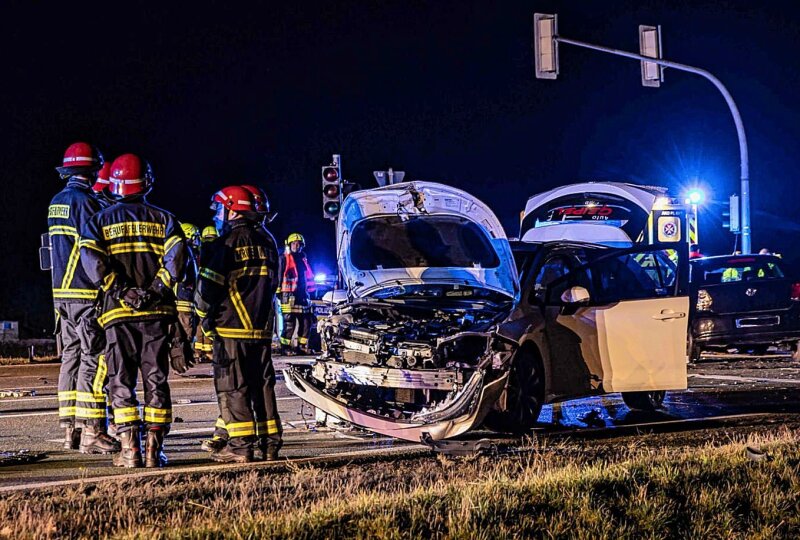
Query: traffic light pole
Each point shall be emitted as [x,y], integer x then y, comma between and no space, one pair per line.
[737,119]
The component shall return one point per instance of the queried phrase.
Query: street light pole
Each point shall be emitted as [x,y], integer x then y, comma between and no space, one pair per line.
[737,120]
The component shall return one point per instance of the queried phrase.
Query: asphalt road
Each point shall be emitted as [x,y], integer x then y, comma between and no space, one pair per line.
[732,391]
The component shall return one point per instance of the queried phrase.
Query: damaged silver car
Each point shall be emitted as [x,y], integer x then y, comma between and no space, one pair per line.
[413,351]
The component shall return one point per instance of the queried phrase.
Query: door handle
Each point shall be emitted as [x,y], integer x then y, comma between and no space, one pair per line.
[667,314]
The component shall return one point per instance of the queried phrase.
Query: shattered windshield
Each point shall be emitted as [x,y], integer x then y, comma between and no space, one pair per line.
[420,242]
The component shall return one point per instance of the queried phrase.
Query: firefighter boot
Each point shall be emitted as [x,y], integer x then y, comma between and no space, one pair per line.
[154,449]
[130,456]
[95,440]
[269,452]
[72,438]
[227,455]
[213,444]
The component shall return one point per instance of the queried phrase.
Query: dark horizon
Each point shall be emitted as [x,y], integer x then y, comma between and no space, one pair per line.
[214,94]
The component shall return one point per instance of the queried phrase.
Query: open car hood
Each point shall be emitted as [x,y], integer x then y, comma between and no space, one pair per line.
[429,216]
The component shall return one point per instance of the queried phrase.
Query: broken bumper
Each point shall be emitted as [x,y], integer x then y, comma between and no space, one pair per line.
[465,412]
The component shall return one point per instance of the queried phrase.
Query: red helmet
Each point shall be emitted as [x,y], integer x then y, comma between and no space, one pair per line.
[130,175]
[79,158]
[234,198]
[102,178]
[259,197]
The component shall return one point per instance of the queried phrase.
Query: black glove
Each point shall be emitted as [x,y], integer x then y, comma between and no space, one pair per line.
[180,350]
[134,297]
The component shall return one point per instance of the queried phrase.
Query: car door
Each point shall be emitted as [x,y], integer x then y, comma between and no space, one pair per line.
[632,329]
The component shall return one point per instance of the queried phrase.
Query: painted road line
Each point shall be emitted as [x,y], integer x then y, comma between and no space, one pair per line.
[745,379]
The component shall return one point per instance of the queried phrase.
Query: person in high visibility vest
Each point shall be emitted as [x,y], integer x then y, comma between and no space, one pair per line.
[297,283]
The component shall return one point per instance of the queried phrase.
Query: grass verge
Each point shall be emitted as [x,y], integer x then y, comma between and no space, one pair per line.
[563,491]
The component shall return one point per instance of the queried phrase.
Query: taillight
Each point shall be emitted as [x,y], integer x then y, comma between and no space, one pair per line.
[795,292]
[704,300]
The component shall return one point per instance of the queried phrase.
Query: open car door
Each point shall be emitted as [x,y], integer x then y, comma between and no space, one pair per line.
[628,311]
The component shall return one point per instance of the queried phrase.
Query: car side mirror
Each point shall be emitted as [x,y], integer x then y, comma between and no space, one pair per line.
[336,296]
[575,295]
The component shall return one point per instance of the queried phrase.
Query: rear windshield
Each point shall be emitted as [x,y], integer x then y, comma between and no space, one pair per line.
[735,270]
[421,242]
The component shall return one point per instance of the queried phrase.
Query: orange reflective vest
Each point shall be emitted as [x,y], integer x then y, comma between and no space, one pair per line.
[291,277]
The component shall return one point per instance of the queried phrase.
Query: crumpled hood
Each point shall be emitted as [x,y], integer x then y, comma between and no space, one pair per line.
[418,200]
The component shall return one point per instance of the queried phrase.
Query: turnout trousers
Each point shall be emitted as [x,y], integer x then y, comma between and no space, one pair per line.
[244,378]
[134,347]
[83,368]
[295,315]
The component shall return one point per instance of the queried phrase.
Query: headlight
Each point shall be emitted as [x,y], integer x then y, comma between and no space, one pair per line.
[704,300]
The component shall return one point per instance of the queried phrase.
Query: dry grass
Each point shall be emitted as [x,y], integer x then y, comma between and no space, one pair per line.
[563,491]
[21,360]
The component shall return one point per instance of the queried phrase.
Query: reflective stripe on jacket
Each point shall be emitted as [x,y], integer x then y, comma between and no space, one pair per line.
[68,211]
[134,244]
[236,286]
[294,281]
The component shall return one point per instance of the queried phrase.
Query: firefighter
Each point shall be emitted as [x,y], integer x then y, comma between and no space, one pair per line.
[100,187]
[298,281]
[203,344]
[136,253]
[81,401]
[184,291]
[234,300]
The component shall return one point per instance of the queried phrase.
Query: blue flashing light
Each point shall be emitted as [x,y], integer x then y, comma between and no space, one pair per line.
[696,196]
[320,278]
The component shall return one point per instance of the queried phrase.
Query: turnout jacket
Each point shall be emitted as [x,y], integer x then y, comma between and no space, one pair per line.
[237,282]
[134,245]
[69,210]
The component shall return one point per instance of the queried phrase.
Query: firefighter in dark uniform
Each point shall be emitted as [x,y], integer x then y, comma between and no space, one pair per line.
[83,371]
[298,281]
[234,300]
[220,437]
[100,187]
[203,344]
[184,291]
[136,253]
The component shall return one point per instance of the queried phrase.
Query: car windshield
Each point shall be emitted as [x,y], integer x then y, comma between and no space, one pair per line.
[735,270]
[421,242]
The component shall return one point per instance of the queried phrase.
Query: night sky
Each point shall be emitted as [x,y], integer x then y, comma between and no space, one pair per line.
[229,92]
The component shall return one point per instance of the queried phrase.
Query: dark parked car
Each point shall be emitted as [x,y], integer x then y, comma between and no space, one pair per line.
[743,302]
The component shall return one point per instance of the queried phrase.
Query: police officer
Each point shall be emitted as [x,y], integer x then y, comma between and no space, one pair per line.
[234,300]
[136,253]
[298,281]
[82,374]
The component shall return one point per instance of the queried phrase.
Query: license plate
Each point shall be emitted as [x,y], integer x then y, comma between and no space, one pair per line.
[752,322]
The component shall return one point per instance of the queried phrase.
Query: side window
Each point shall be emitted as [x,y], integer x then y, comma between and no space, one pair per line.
[553,269]
[628,276]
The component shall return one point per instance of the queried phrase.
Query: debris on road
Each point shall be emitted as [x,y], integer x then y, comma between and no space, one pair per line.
[16,393]
[19,457]
[756,454]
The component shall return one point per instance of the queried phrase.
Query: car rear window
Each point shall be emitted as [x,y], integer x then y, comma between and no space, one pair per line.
[735,270]
[421,242]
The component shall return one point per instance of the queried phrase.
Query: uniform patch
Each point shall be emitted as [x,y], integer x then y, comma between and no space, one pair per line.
[58,211]
[134,228]
[246,253]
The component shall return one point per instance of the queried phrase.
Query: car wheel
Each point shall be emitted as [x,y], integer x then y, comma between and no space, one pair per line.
[525,394]
[644,401]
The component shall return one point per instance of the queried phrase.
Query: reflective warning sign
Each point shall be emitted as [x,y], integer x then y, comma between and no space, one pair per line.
[669,229]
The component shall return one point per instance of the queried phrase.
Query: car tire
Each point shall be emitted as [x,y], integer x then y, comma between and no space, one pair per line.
[644,401]
[524,399]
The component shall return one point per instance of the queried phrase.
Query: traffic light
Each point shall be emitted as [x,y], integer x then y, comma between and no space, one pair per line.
[332,189]
[730,218]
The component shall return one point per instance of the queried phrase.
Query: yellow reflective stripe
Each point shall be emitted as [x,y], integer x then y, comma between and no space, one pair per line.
[207,347]
[91,244]
[239,333]
[126,414]
[241,429]
[200,313]
[252,271]
[302,340]
[66,411]
[220,423]
[89,397]
[72,263]
[136,247]
[127,313]
[238,305]
[89,294]
[184,306]
[109,280]
[82,412]
[100,376]
[286,308]
[273,427]
[285,341]
[171,242]
[212,276]
[67,395]
[164,275]
[159,416]
[62,229]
